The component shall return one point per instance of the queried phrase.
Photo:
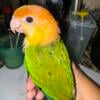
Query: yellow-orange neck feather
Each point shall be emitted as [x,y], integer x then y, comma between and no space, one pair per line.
[42,34]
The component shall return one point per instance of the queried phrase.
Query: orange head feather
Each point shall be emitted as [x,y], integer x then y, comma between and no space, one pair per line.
[37,23]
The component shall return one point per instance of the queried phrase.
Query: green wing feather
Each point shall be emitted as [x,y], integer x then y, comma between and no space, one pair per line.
[50,69]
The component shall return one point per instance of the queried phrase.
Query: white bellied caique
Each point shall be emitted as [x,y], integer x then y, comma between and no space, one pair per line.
[46,57]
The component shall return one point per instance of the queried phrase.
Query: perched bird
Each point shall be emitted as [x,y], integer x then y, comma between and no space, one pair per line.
[46,57]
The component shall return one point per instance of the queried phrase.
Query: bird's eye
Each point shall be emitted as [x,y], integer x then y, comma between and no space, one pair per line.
[29,19]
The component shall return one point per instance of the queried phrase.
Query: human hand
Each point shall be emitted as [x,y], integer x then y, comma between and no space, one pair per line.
[83,84]
[32,92]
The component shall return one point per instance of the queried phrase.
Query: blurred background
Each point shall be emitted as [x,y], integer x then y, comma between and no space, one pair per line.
[79,21]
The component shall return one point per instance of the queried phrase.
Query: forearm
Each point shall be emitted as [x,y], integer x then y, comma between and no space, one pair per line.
[85,88]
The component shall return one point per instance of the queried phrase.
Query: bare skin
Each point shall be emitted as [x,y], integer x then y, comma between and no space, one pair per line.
[85,88]
[32,91]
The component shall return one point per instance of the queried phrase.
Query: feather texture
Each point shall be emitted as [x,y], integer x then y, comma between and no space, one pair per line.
[50,69]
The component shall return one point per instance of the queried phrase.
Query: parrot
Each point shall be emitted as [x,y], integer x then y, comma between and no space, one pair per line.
[46,57]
